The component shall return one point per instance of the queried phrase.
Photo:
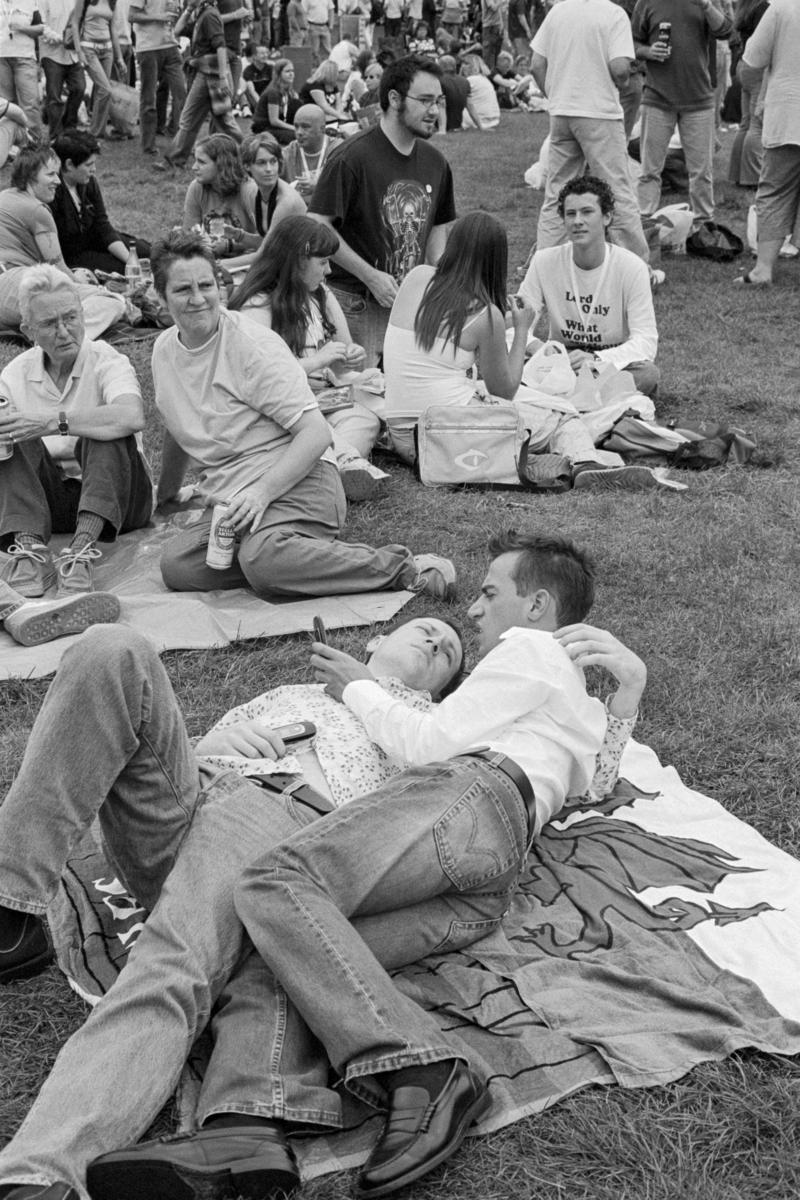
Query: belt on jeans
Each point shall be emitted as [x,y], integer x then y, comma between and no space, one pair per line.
[292,785]
[97,45]
[513,771]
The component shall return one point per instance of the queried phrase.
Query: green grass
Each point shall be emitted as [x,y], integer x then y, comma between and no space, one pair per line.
[704,585]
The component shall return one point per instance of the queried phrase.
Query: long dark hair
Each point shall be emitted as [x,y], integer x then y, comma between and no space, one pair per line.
[276,271]
[471,274]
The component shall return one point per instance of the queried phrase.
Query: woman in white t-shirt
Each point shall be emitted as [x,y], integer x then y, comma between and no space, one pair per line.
[285,291]
[443,321]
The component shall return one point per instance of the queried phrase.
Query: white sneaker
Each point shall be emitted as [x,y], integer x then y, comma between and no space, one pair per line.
[39,621]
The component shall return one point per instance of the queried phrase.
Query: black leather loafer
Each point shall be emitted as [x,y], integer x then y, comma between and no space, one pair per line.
[24,952]
[421,1132]
[254,1162]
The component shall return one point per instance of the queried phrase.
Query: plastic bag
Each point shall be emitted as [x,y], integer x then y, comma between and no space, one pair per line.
[124,110]
[675,224]
[549,370]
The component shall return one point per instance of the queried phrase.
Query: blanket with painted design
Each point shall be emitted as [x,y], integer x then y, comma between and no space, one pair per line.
[649,934]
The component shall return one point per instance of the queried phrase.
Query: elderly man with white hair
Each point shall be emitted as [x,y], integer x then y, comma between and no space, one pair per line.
[66,395]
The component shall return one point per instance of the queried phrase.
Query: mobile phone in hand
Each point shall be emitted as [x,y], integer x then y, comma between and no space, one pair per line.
[300,731]
[320,634]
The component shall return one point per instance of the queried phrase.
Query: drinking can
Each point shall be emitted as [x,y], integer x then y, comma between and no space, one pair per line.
[221,539]
[665,34]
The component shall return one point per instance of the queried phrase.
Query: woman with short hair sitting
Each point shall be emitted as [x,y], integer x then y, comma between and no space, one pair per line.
[87,237]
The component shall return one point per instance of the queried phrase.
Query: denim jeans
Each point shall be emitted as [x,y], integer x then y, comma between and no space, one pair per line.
[443,846]
[98,67]
[155,65]
[61,114]
[697,138]
[36,496]
[578,142]
[366,319]
[19,83]
[196,108]
[110,742]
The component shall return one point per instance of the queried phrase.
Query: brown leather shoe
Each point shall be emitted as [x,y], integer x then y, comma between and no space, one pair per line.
[421,1132]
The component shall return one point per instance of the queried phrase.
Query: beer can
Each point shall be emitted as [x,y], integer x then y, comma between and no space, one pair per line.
[221,539]
[665,32]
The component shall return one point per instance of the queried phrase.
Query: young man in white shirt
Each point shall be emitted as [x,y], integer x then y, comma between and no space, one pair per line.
[597,295]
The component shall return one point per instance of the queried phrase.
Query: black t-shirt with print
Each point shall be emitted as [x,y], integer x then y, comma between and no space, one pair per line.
[384,203]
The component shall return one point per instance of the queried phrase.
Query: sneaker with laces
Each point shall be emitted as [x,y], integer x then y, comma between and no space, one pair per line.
[75,569]
[632,478]
[436,576]
[41,621]
[27,568]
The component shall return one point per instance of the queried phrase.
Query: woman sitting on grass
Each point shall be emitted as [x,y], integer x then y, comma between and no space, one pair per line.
[28,235]
[285,291]
[87,237]
[446,318]
[322,89]
[278,103]
[221,192]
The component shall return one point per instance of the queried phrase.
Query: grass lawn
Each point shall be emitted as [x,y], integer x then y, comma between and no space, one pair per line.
[703,585]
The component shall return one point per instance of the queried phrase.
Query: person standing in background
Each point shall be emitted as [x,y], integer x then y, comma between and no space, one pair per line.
[61,68]
[675,40]
[159,58]
[19,71]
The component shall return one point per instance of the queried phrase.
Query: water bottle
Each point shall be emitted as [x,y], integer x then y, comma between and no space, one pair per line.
[133,271]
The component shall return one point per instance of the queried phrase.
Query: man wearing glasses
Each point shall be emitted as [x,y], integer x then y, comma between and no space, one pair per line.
[389,196]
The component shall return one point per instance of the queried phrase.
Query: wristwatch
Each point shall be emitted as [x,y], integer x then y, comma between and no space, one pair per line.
[63,424]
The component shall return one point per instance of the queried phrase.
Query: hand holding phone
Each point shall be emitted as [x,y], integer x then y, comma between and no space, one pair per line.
[300,731]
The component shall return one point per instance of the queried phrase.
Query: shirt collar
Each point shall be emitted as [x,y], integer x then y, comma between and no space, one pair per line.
[38,372]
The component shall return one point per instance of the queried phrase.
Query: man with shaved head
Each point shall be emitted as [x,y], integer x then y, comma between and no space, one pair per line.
[303,158]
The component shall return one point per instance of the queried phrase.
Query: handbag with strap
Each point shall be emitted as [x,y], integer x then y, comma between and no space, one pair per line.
[484,445]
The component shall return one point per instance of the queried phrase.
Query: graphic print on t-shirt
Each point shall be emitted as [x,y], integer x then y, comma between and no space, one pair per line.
[581,330]
[405,209]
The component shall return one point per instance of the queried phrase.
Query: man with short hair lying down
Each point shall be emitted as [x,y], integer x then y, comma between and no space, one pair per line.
[433,856]
[116,1071]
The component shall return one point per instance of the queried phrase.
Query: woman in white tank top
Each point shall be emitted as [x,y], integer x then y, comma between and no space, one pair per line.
[447,319]
[285,291]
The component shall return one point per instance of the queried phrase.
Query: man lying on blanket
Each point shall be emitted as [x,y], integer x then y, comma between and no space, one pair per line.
[110,739]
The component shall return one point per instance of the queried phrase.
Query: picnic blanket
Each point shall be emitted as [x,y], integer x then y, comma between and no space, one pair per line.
[191,620]
[648,935]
